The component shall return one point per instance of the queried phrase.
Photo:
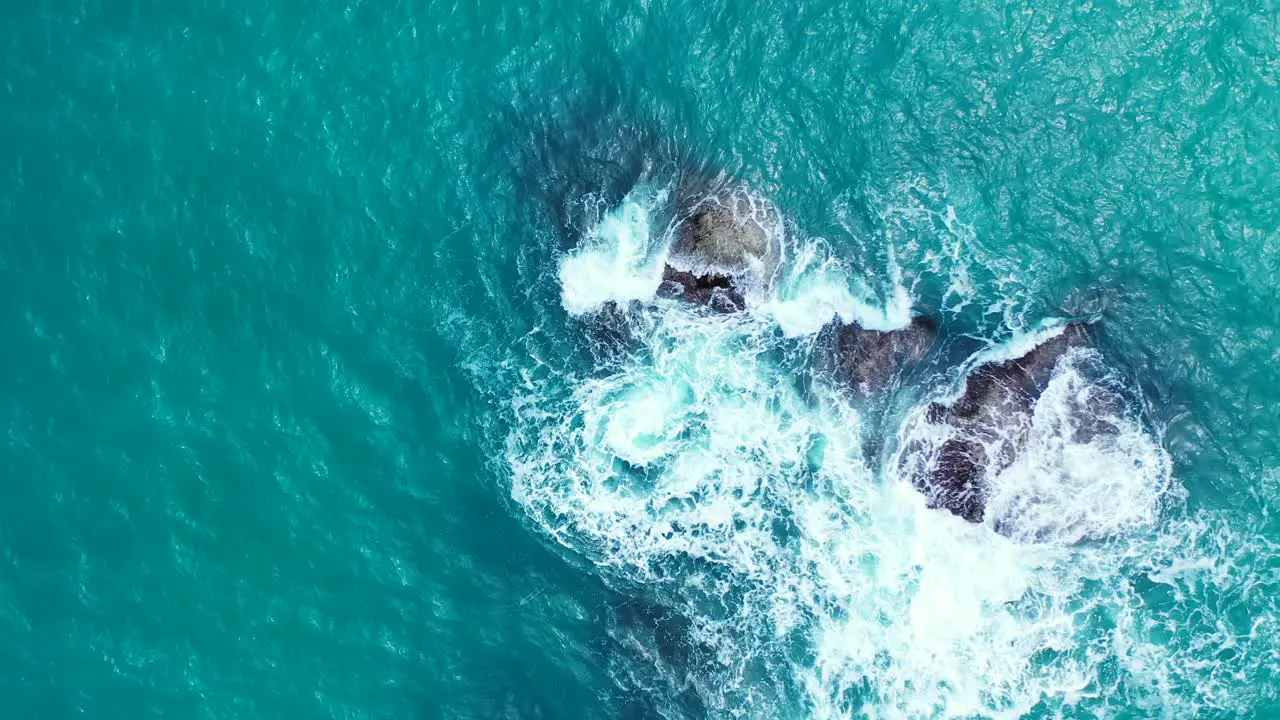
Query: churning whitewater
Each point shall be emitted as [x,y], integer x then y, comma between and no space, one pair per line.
[768,517]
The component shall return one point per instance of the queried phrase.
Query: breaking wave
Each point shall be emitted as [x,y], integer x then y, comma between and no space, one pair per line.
[795,571]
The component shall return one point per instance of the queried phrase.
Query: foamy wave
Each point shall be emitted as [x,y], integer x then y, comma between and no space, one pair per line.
[810,581]
[705,474]
[619,260]
[1089,469]
[817,288]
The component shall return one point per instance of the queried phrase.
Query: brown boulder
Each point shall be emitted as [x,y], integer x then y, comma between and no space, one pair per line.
[871,361]
[727,240]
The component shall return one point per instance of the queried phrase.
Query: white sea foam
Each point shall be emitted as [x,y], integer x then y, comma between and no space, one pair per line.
[702,473]
[817,288]
[1089,470]
[619,260]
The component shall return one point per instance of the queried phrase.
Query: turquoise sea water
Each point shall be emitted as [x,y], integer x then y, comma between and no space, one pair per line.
[298,424]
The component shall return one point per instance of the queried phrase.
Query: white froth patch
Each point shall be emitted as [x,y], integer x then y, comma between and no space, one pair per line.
[926,612]
[702,472]
[638,426]
[1068,488]
[691,411]
[748,508]
[817,289]
[618,260]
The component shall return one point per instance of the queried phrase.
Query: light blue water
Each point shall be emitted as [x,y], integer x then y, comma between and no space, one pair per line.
[303,419]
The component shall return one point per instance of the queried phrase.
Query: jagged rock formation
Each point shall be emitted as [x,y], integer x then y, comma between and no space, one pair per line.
[987,425]
[871,361]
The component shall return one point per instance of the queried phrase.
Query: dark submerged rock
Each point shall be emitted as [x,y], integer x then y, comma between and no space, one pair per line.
[642,633]
[612,332]
[993,412]
[871,361]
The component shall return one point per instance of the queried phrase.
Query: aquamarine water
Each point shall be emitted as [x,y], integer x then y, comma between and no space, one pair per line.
[310,411]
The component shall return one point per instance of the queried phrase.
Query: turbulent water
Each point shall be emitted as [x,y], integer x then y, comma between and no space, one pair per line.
[337,382]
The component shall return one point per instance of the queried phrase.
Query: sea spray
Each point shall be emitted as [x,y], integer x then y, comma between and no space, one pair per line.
[810,579]
[817,288]
[619,260]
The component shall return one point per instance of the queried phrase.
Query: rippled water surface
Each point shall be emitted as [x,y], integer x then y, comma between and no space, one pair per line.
[316,405]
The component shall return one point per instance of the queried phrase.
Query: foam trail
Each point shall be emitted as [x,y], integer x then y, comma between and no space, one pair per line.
[920,219]
[813,582]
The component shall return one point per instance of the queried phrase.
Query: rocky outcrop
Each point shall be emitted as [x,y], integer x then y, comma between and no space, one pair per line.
[727,242]
[871,361]
[988,424]
[715,291]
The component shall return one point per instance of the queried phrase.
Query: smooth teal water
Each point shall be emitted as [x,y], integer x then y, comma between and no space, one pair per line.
[291,398]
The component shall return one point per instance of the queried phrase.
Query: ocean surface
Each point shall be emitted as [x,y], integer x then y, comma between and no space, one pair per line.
[334,384]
